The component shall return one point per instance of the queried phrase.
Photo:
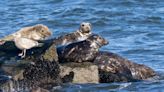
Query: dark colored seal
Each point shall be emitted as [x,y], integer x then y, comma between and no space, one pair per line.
[114,68]
[81,34]
[81,51]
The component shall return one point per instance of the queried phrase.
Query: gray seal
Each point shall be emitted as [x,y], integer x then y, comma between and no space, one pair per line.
[114,68]
[81,34]
[82,51]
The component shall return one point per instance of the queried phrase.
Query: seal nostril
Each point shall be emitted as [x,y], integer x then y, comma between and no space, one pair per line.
[106,42]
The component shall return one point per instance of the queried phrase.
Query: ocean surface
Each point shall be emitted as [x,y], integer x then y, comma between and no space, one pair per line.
[134,28]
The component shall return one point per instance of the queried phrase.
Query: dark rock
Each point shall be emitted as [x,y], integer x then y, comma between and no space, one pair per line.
[114,68]
[15,70]
[39,73]
[68,78]
[42,73]
[4,79]
[45,52]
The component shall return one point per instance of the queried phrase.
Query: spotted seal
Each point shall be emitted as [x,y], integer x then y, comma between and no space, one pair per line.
[81,34]
[114,68]
[81,51]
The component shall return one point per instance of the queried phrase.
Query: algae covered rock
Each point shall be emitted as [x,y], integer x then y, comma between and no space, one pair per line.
[40,73]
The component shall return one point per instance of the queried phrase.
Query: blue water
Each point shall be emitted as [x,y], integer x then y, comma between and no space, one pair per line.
[135,29]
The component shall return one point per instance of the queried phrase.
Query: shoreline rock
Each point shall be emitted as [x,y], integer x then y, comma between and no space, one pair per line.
[85,72]
[41,60]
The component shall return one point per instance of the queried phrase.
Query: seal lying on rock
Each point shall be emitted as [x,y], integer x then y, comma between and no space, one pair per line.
[37,32]
[81,51]
[81,34]
[114,68]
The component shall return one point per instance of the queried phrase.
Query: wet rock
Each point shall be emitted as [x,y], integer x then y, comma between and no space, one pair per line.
[68,77]
[15,70]
[42,73]
[4,79]
[114,68]
[29,75]
[85,72]
[38,89]
[7,86]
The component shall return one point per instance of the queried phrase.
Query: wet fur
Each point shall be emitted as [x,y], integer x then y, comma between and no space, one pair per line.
[81,34]
[81,51]
[114,68]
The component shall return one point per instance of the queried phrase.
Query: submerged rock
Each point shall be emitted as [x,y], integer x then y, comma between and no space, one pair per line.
[114,68]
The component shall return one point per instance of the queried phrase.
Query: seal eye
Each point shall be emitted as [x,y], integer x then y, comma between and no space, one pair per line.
[82,25]
[42,31]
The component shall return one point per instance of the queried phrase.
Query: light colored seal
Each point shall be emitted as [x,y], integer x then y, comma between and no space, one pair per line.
[36,32]
[81,34]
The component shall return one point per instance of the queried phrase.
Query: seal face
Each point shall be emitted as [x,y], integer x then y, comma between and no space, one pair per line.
[81,51]
[115,68]
[81,34]
[37,32]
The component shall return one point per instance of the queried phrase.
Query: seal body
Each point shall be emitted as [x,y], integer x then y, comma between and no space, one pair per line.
[36,32]
[81,34]
[81,51]
[114,68]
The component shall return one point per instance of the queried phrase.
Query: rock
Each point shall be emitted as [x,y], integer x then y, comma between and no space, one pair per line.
[85,72]
[14,70]
[40,73]
[114,68]
[38,89]
[4,79]
[46,52]
[7,86]
[43,74]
